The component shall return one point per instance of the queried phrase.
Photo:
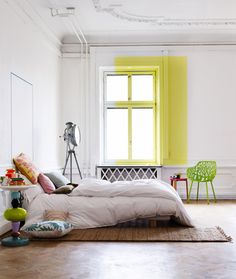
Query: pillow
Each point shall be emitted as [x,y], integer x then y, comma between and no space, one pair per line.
[57,178]
[46,183]
[49,229]
[73,184]
[67,189]
[52,215]
[26,167]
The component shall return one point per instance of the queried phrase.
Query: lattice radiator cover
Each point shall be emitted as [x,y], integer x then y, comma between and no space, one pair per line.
[127,173]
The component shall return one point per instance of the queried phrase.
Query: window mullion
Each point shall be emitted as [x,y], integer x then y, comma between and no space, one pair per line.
[154,133]
[130,133]
[105,132]
[129,119]
[129,87]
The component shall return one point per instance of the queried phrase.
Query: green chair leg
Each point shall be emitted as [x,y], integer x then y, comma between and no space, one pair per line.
[197,190]
[191,185]
[207,193]
[213,191]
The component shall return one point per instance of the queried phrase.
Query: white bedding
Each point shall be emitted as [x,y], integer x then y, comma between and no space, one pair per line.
[96,203]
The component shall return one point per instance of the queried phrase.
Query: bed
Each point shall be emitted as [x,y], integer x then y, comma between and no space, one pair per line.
[99,203]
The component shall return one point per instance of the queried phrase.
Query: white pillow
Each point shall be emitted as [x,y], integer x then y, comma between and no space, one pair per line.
[49,229]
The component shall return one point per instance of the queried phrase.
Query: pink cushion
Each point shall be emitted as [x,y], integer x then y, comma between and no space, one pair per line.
[46,183]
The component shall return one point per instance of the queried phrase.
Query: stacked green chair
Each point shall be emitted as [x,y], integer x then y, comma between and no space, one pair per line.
[204,171]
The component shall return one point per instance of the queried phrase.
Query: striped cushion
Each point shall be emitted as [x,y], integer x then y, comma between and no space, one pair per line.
[52,215]
[26,167]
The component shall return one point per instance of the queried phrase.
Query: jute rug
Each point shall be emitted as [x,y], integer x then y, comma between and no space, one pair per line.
[214,234]
[146,234]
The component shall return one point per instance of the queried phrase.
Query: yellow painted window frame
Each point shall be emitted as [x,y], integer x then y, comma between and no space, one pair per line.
[154,104]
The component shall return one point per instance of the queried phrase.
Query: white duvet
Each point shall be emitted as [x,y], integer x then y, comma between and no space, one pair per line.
[97,203]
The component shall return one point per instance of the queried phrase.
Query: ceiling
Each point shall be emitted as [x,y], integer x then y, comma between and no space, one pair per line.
[132,21]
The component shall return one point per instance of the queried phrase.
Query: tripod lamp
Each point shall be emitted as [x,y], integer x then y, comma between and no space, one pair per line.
[72,137]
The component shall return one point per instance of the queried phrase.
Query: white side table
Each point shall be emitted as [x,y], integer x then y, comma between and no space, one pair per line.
[15,215]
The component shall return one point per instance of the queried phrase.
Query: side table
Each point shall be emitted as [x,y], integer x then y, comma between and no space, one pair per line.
[173,182]
[15,215]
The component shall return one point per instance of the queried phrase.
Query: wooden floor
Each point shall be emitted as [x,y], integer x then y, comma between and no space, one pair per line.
[89,260]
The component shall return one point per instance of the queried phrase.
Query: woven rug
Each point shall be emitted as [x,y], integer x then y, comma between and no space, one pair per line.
[158,234]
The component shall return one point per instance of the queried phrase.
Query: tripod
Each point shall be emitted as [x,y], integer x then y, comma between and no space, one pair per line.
[70,152]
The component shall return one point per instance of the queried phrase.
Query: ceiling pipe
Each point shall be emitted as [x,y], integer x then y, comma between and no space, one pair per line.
[77,36]
[82,35]
[69,13]
[86,95]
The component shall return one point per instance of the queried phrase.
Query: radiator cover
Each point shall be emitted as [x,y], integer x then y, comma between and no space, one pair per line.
[128,173]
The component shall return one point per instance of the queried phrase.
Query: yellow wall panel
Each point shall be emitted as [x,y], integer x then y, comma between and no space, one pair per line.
[172,124]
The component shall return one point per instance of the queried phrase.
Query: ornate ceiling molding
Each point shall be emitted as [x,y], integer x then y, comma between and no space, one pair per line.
[118,11]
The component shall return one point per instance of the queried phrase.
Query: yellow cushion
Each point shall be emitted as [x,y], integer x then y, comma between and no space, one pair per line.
[26,167]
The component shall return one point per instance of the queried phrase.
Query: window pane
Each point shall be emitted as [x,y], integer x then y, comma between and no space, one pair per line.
[142,134]
[117,134]
[117,88]
[142,87]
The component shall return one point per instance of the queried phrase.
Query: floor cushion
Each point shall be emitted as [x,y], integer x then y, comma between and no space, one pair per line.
[49,229]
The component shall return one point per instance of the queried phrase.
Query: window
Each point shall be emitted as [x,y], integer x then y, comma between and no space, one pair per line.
[130,112]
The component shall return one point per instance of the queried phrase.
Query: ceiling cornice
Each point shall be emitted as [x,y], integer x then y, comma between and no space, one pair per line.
[119,12]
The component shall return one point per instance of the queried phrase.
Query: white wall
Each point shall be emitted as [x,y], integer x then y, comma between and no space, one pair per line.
[73,104]
[211,101]
[27,53]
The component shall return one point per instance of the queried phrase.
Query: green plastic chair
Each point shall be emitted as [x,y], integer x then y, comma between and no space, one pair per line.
[204,171]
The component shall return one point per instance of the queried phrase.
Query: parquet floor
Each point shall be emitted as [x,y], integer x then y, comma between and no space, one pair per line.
[107,260]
